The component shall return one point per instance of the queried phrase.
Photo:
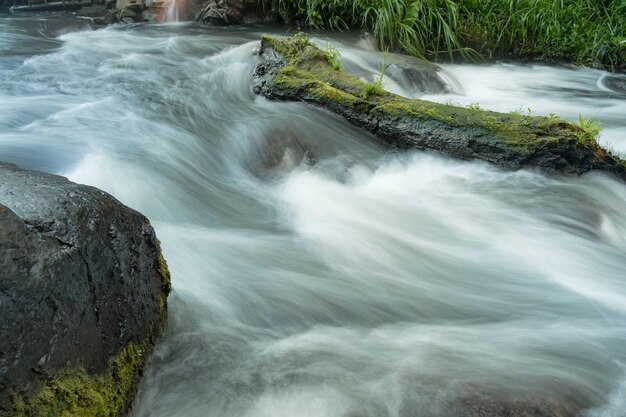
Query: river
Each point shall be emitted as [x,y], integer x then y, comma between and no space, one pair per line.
[316,272]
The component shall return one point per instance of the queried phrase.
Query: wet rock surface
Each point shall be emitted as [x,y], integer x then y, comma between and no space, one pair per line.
[417,79]
[614,82]
[81,278]
[101,17]
[227,12]
[284,150]
[129,11]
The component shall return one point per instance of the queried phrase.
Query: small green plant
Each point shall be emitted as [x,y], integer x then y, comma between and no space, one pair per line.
[474,106]
[553,116]
[302,36]
[520,112]
[590,129]
[589,125]
[333,55]
[376,87]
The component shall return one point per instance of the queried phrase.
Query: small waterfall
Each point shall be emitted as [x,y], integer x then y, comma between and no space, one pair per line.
[171,10]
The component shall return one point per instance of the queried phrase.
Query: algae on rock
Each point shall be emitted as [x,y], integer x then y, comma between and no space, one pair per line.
[294,69]
[77,393]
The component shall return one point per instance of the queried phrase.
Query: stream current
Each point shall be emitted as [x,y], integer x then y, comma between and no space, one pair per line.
[316,272]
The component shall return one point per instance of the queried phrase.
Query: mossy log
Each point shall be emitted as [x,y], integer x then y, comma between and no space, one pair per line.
[294,69]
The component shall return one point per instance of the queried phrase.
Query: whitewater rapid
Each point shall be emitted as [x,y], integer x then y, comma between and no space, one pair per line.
[349,279]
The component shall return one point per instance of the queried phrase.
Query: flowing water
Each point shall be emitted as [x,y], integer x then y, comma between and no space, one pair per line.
[317,272]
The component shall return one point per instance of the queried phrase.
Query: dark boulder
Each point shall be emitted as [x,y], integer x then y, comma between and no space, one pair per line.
[83,290]
[226,12]
[129,11]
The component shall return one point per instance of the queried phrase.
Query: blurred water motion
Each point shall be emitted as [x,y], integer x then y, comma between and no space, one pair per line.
[317,273]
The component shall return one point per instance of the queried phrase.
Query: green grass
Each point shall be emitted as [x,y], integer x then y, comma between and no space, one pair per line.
[576,31]
[474,106]
[333,56]
[373,88]
[590,129]
[421,28]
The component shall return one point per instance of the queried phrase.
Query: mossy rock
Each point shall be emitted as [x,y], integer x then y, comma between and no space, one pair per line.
[83,297]
[75,392]
[294,69]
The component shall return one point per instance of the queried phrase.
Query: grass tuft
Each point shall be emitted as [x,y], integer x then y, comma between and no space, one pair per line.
[333,56]
[589,130]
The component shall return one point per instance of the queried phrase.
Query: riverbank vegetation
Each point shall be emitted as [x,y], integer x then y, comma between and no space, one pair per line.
[584,32]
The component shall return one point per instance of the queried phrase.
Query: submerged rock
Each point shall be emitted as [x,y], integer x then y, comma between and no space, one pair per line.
[285,150]
[419,77]
[294,69]
[83,290]
[416,79]
[614,82]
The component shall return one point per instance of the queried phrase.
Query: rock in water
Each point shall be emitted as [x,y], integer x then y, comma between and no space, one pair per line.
[226,12]
[83,292]
[614,82]
[129,11]
[416,79]
[285,150]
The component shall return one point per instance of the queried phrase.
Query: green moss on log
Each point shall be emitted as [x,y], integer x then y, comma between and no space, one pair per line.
[297,70]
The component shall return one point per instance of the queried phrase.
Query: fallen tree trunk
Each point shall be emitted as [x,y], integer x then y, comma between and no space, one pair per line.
[294,69]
